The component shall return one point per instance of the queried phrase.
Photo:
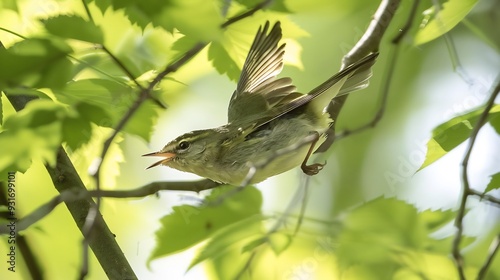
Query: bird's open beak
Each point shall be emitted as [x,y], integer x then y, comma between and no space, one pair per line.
[166,158]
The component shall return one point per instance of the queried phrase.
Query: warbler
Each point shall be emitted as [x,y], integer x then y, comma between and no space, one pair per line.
[265,114]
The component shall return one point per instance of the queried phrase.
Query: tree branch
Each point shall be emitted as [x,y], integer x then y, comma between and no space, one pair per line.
[63,175]
[369,42]
[466,190]
[144,94]
[486,197]
[73,193]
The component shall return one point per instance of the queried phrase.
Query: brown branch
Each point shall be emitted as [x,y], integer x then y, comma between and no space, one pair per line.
[248,13]
[486,197]
[466,190]
[145,93]
[64,175]
[369,42]
[73,193]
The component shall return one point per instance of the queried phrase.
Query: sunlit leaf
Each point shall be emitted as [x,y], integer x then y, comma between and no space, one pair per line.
[1,109]
[9,4]
[34,132]
[36,113]
[141,52]
[114,100]
[421,265]
[74,27]
[143,121]
[76,132]
[222,61]
[199,19]
[229,53]
[250,246]
[451,13]
[279,242]
[494,183]
[278,5]
[77,129]
[380,231]
[495,123]
[228,237]
[35,63]
[188,225]
[86,154]
[452,133]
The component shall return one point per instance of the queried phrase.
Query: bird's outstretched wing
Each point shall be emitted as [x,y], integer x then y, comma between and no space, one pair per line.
[260,97]
[258,90]
[354,77]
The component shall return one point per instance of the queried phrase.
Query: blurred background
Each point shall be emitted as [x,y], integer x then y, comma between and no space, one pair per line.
[369,200]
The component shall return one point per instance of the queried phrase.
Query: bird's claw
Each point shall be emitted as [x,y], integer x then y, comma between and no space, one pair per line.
[312,169]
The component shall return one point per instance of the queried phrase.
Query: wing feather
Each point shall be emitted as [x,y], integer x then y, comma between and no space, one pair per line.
[258,89]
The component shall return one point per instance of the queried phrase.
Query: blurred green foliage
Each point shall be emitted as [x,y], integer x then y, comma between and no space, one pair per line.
[53,52]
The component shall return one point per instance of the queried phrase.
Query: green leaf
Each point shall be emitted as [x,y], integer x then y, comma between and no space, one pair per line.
[32,133]
[452,13]
[279,242]
[76,132]
[9,4]
[250,246]
[229,237]
[379,233]
[1,109]
[35,63]
[113,100]
[143,121]
[422,265]
[199,19]
[495,123]
[74,27]
[278,5]
[27,91]
[92,113]
[188,225]
[222,62]
[37,113]
[452,133]
[494,183]
[77,129]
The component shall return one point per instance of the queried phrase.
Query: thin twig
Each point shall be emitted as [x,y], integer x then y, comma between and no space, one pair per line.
[388,76]
[87,10]
[247,265]
[303,206]
[369,42]
[466,190]
[142,97]
[487,197]
[246,14]
[391,66]
[76,194]
[495,246]
[122,66]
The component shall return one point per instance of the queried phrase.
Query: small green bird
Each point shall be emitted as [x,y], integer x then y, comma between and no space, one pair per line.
[265,114]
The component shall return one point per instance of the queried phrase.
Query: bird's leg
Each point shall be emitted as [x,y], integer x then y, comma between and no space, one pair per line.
[314,168]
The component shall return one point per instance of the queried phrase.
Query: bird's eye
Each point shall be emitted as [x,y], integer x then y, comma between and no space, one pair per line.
[183,145]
